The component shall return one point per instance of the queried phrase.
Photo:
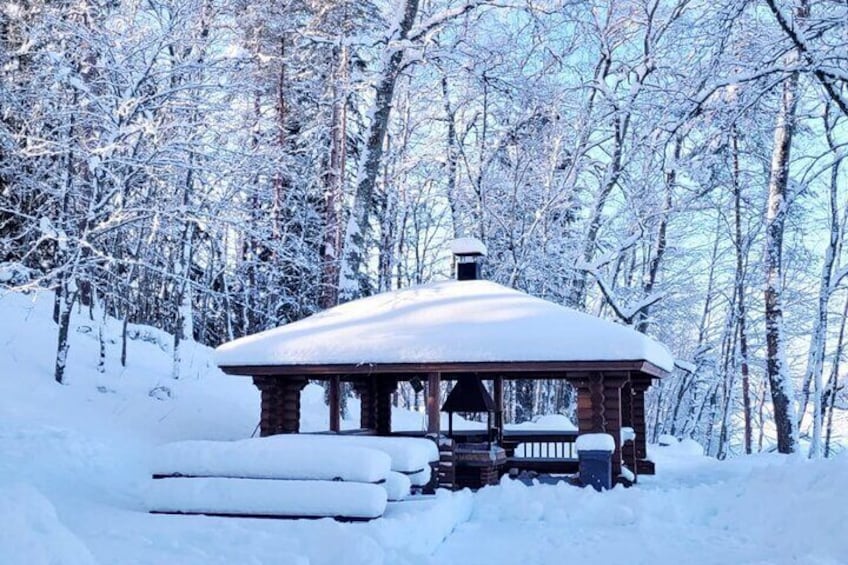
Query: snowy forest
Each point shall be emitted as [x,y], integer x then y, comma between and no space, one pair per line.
[215,168]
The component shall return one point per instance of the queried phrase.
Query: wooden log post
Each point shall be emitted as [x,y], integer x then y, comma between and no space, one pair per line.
[334,394]
[268,417]
[640,426]
[366,387]
[599,407]
[627,405]
[640,385]
[280,404]
[384,389]
[613,382]
[590,402]
[499,407]
[629,449]
[434,381]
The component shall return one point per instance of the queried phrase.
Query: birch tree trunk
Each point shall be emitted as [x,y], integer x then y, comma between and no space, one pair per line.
[833,380]
[818,338]
[452,158]
[353,282]
[661,240]
[66,258]
[741,259]
[780,383]
[184,327]
[66,302]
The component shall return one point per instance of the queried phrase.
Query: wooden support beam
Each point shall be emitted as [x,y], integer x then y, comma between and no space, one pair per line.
[612,415]
[434,403]
[639,386]
[499,406]
[335,403]
[628,450]
[385,387]
[627,405]
[367,389]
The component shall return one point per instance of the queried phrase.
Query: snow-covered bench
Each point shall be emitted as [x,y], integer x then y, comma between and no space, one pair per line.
[291,476]
[268,498]
[410,456]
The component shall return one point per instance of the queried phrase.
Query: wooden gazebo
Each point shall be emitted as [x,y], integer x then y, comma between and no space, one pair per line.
[445,330]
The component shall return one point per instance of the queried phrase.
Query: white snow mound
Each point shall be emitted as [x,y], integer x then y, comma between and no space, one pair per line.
[31,533]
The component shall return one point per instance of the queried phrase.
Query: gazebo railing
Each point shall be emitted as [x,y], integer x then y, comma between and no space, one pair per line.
[544,451]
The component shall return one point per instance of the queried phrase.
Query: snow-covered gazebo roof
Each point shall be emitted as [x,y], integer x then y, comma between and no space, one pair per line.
[451,325]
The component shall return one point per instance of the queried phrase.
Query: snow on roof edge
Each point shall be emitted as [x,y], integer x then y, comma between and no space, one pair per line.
[445,322]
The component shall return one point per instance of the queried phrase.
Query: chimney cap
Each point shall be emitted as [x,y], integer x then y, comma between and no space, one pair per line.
[468,246]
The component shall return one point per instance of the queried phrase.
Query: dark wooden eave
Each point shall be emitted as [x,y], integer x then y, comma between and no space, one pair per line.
[506,369]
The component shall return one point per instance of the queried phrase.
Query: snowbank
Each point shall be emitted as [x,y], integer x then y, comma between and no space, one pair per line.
[759,510]
[264,458]
[31,533]
[267,497]
[547,422]
[667,439]
[420,524]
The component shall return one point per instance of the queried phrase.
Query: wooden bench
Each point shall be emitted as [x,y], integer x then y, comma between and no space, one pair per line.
[543,451]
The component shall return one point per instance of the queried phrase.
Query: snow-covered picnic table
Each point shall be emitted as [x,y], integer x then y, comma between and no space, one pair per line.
[307,475]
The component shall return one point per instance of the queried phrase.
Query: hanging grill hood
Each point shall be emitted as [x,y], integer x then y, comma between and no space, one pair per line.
[469,395]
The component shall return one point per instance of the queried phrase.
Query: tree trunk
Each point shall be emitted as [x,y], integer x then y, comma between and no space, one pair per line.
[353,282]
[660,242]
[452,159]
[334,189]
[833,381]
[780,383]
[66,304]
[818,339]
[184,327]
[741,258]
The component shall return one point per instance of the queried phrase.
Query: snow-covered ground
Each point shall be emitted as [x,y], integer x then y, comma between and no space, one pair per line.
[764,510]
[75,463]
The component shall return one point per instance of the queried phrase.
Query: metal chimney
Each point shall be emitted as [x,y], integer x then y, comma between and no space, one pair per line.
[468,255]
